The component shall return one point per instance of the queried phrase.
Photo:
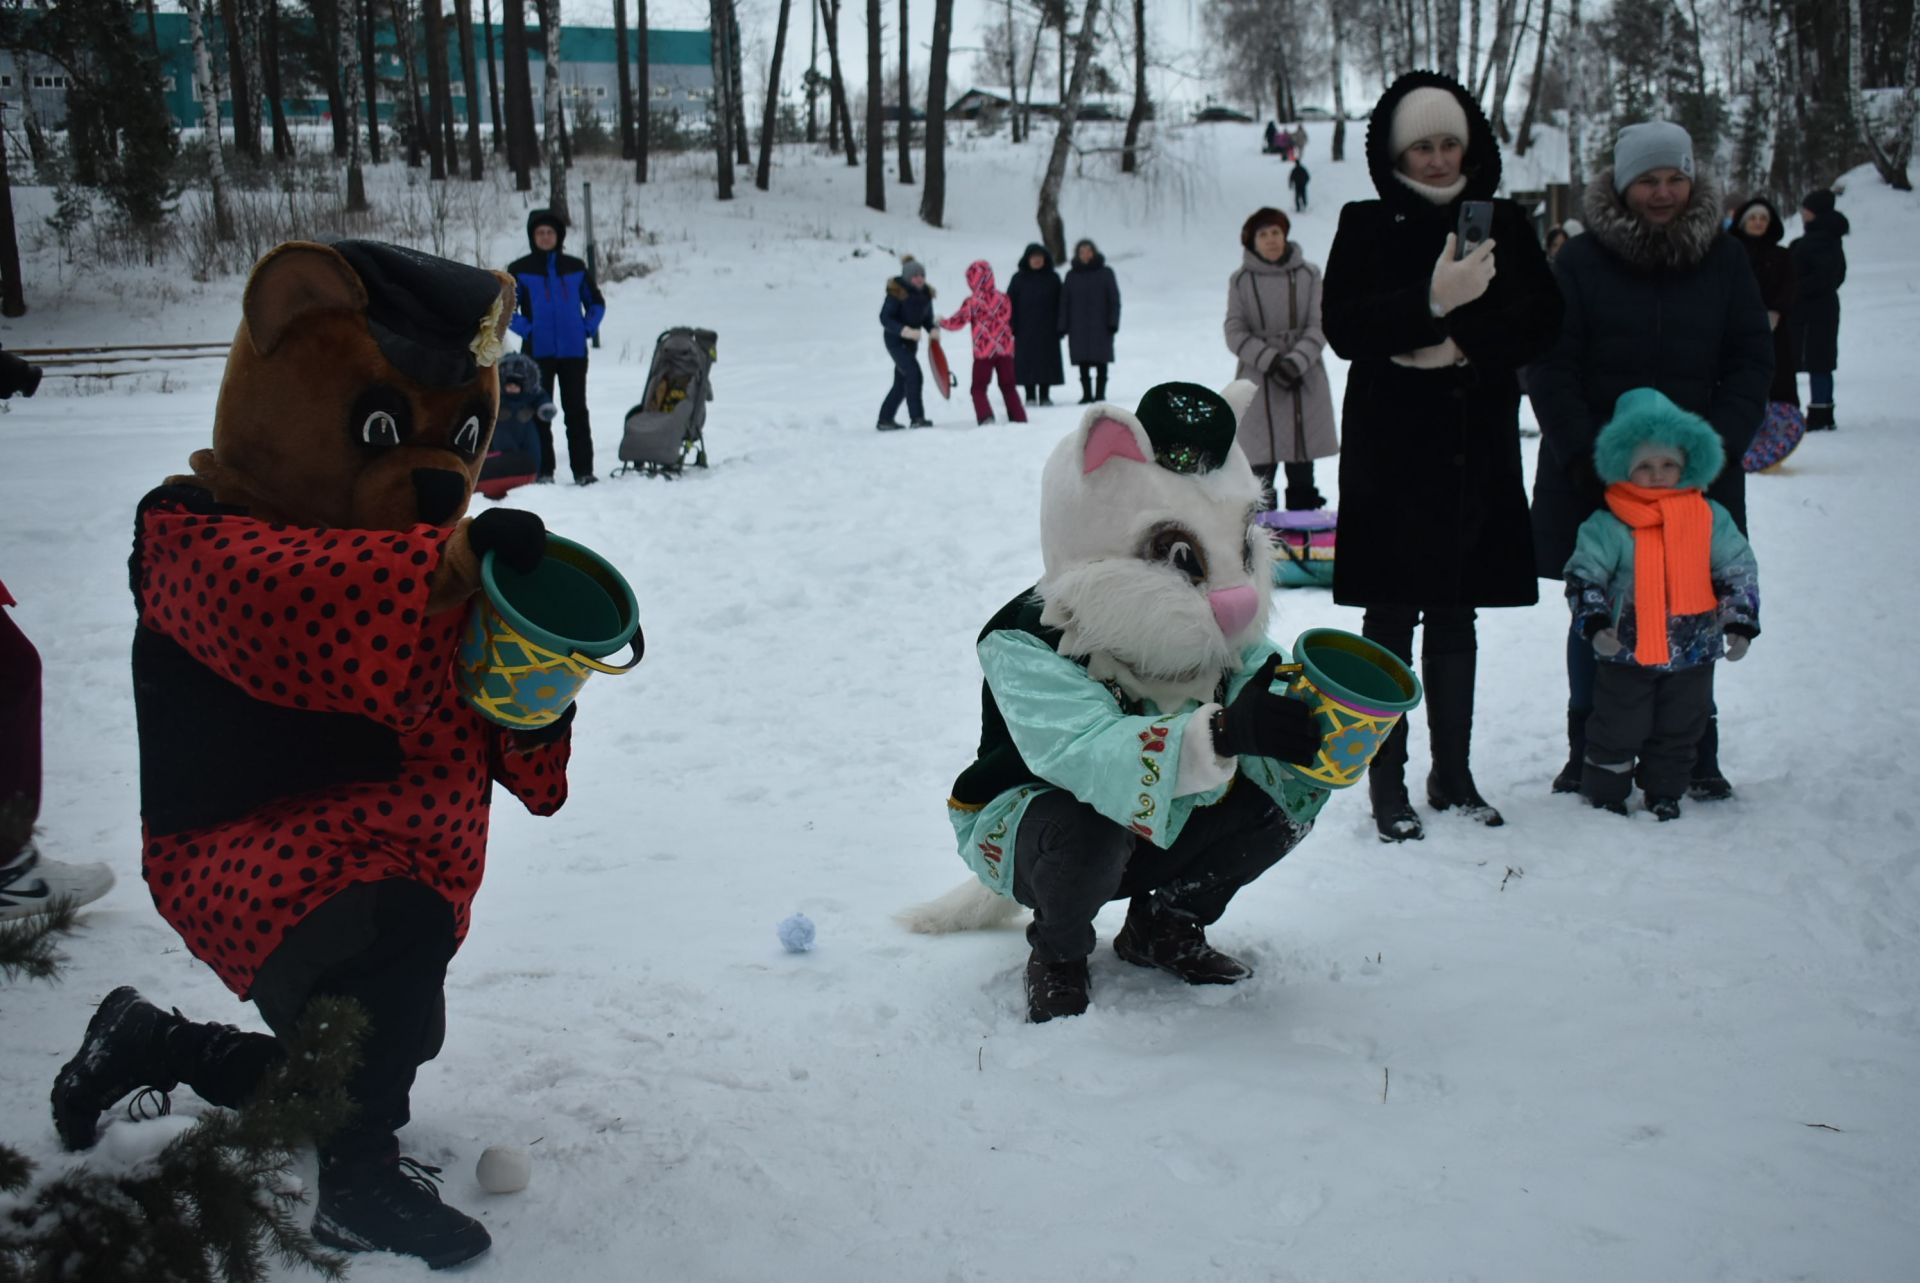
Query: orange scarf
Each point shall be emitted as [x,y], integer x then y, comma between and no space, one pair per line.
[1672,559]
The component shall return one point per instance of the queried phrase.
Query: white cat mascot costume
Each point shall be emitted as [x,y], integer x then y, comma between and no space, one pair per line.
[1130,743]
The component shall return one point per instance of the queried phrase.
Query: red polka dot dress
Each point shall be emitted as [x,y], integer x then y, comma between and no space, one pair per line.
[329,628]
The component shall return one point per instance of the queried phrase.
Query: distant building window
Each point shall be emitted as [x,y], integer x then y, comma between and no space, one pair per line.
[6,81]
[49,82]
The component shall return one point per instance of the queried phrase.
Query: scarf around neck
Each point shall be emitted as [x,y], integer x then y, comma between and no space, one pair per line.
[1672,559]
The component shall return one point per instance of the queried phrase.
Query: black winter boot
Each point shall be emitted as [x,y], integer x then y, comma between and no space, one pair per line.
[1707,783]
[131,1044]
[1568,780]
[1607,785]
[1086,385]
[1393,813]
[381,1202]
[1174,942]
[1056,988]
[1820,418]
[1100,383]
[1449,684]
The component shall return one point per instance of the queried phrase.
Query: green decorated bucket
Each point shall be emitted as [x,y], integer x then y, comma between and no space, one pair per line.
[1358,690]
[533,639]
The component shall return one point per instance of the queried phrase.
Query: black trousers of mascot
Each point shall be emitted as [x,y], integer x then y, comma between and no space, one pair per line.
[569,374]
[386,946]
[1070,861]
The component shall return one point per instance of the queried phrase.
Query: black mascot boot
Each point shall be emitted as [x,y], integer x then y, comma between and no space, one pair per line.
[1449,683]
[1056,989]
[1393,813]
[1174,942]
[1707,783]
[131,1044]
[1568,780]
[373,1200]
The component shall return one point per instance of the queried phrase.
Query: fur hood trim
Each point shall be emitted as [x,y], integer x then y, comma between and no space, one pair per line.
[1680,246]
[1642,416]
[897,288]
[1481,165]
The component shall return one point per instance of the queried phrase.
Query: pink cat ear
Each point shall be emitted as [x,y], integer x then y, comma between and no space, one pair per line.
[1109,439]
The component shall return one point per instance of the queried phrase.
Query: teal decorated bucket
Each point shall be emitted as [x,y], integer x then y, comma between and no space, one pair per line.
[1358,690]
[533,639]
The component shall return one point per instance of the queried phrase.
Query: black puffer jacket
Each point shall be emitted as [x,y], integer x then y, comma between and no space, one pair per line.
[1821,262]
[1035,295]
[1773,270]
[1433,503]
[1673,309]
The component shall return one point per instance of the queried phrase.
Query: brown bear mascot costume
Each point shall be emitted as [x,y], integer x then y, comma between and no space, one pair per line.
[314,792]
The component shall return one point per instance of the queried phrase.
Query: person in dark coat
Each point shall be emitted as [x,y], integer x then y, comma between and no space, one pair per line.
[1298,180]
[1656,296]
[1757,226]
[560,310]
[1089,318]
[1035,291]
[1820,262]
[1433,520]
[906,314]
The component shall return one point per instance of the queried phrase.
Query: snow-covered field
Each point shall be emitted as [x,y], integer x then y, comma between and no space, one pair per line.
[1574,1048]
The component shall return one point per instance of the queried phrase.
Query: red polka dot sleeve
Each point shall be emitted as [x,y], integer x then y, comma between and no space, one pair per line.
[330,620]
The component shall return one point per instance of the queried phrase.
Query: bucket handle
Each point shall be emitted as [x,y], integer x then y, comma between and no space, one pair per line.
[639,644]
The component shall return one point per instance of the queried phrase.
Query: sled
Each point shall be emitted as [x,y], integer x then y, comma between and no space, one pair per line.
[1780,432]
[942,377]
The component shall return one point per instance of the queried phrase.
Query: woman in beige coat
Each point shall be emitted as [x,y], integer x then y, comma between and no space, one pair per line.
[1273,328]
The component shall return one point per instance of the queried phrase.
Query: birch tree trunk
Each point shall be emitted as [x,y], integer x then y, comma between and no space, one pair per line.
[1507,64]
[498,134]
[623,78]
[905,122]
[209,121]
[556,156]
[347,41]
[1053,234]
[933,195]
[400,17]
[1576,112]
[876,112]
[771,117]
[1129,158]
[1525,140]
[363,22]
[719,116]
[737,86]
[643,99]
[1473,43]
[1339,77]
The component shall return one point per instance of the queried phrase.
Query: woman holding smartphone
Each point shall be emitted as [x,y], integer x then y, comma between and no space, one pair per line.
[1437,293]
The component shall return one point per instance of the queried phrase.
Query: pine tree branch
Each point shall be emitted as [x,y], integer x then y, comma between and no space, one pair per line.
[26,944]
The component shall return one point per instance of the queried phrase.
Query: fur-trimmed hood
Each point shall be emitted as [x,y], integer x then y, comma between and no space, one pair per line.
[1775,229]
[1680,246]
[1026,257]
[1643,415]
[1481,165]
[897,288]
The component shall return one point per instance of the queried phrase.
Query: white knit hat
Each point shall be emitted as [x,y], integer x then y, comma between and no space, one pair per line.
[1424,112]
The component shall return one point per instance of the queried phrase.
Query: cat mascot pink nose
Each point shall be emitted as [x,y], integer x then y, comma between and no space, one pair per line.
[1233,607]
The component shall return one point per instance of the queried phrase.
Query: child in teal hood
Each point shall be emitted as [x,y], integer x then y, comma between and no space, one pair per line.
[1662,583]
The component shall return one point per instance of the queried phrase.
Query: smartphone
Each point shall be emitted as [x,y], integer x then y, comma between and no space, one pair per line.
[1476,224]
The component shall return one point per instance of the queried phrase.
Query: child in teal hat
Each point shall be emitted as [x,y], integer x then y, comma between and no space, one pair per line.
[1662,583]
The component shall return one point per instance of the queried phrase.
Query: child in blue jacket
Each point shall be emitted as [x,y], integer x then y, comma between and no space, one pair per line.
[514,457]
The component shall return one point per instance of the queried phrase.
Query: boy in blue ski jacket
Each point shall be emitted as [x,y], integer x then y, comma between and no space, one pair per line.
[559,313]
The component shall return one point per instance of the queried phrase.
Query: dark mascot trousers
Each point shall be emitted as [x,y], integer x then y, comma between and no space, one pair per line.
[569,375]
[1070,860]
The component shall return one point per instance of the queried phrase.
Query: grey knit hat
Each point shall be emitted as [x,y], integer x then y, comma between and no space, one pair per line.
[911,267]
[1650,145]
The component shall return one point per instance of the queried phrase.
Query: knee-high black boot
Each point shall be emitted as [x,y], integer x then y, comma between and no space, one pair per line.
[1449,683]
[130,1044]
[1393,813]
[1086,385]
[1100,383]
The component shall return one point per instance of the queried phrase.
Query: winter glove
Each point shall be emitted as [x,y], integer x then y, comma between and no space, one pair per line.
[1606,643]
[547,412]
[1288,370]
[1456,284]
[520,537]
[1737,644]
[17,376]
[1437,357]
[1265,723]
[912,335]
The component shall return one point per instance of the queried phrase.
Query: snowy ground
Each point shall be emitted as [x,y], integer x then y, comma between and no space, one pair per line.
[1575,1048]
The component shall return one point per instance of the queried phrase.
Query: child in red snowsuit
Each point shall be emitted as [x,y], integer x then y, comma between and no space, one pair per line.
[991,314]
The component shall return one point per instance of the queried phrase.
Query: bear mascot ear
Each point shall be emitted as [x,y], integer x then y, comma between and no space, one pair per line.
[295,280]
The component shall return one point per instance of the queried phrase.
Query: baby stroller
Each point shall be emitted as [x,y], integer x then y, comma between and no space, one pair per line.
[666,430]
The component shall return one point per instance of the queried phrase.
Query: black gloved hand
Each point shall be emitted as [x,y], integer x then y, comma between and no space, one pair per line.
[1266,724]
[1284,373]
[520,537]
[17,376]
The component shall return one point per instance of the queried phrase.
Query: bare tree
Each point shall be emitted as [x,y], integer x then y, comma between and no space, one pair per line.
[1890,165]
[737,85]
[400,16]
[623,78]
[497,137]
[905,120]
[719,115]
[270,57]
[1525,139]
[1339,74]
[348,43]
[1509,59]
[556,157]
[643,98]
[1129,158]
[830,18]
[1013,72]
[1576,110]
[363,21]
[439,99]
[876,112]
[1473,42]
[470,77]
[246,134]
[933,196]
[1446,36]
[1052,232]
[770,118]
[209,121]
[521,147]
[13,294]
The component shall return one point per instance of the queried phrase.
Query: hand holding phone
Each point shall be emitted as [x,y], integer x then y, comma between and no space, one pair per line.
[1475,227]
[1458,280]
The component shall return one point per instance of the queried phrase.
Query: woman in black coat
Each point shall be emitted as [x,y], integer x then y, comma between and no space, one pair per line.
[1089,318]
[1035,294]
[1433,508]
[1821,262]
[1757,227]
